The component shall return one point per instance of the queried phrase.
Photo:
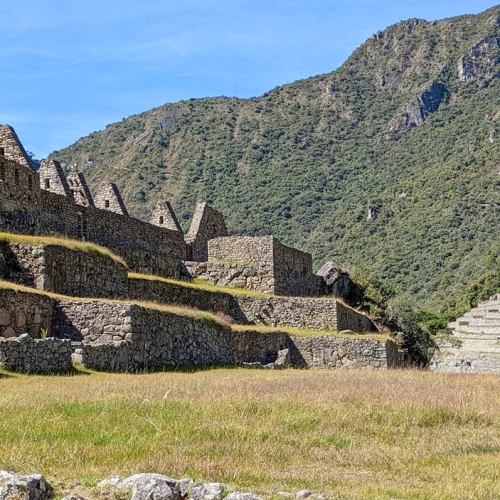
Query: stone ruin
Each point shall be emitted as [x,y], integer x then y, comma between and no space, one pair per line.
[49,203]
[107,333]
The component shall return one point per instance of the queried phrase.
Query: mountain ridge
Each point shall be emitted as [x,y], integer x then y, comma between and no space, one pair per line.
[389,163]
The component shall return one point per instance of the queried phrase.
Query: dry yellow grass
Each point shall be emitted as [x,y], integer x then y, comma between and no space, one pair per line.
[83,246]
[354,435]
[304,332]
[179,310]
[198,284]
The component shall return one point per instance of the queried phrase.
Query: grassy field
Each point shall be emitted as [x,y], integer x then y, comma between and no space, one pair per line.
[353,435]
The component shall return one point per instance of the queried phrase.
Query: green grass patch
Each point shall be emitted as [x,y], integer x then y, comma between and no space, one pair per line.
[82,246]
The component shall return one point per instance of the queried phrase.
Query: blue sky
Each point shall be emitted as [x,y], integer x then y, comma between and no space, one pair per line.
[71,67]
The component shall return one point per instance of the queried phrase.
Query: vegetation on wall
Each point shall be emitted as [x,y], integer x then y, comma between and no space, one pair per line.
[389,164]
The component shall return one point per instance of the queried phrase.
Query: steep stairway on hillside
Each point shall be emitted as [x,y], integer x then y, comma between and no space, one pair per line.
[475,344]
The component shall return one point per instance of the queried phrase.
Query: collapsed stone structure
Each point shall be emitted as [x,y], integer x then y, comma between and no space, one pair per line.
[124,337]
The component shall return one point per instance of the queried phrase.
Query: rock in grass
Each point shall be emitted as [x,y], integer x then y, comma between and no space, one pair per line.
[110,481]
[242,496]
[183,486]
[208,491]
[33,487]
[150,487]
[304,494]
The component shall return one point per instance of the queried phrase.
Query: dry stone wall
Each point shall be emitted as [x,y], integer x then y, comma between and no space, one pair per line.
[128,337]
[52,178]
[27,355]
[80,190]
[343,353]
[258,277]
[19,198]
[163,292]
[146,248]
[257,347]
[299,312]
[109,198]
[24,312]
[207,223]
[322,351]
[163,216]
[241,249]
[12,148]
[66,271]
[261,264]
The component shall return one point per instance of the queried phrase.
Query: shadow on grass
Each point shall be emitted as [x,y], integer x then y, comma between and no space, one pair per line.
[73,371]
[165,369]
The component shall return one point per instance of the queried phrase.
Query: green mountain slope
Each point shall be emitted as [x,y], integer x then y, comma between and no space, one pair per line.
[391,163]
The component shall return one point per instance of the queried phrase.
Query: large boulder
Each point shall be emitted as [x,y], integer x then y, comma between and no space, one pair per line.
[336,280]
[149,486]
[32,487]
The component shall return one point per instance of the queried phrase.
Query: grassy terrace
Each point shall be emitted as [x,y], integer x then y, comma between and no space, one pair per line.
[302,332]
[191,312]
[353,435]
[82,246]
[198,284]
[181,311]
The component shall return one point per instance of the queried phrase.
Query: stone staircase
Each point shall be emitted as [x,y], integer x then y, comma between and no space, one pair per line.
[475,343]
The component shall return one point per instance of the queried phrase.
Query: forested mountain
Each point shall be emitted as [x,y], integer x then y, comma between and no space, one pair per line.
[389,164]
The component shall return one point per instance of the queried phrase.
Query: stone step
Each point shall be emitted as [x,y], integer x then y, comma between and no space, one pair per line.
[490,322]
[456,360]
[479,330]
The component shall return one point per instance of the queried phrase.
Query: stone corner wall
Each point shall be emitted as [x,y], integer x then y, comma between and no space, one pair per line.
[58,269]
[339,353]
[130,337]
[207,224]
[241,249]
[19,198]
[24,312]
[350,319]
[27,355]
[293,272]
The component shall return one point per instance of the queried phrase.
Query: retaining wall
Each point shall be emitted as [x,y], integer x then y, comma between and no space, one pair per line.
[137,337]
[298,312]
[24,312]
[129,337]
[163,292]
[336,353]
[27,355]
[58,269]
[257,347]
